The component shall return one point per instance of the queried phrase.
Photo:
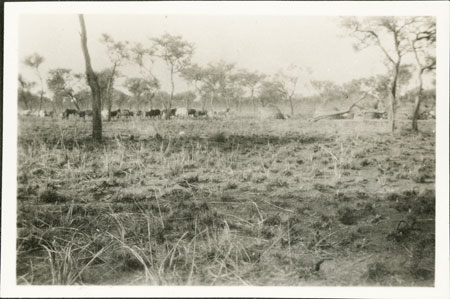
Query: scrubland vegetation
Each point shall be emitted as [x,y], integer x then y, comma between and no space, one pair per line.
[234,201]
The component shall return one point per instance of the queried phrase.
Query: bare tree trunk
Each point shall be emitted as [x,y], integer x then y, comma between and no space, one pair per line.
[292,106]
[391,114]
[93,84]
[171,93]
[24,96]
[417,104]
[393,95]
[253,100]
[40,100]
[211,102]
[109,106]
[109,90]
[53,107]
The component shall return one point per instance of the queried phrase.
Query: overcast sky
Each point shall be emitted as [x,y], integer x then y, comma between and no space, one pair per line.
[261,43]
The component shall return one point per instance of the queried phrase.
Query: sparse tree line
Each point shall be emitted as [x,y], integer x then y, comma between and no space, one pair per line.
[223,84]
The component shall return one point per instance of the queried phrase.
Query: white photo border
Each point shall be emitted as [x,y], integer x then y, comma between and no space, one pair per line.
[9,172]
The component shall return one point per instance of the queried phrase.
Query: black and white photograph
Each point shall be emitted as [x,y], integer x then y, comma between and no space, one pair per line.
[222,147]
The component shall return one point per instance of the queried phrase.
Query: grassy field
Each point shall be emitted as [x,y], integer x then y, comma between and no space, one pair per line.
[225,202]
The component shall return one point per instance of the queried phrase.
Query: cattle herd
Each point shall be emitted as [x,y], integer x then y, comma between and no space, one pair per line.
[126,113]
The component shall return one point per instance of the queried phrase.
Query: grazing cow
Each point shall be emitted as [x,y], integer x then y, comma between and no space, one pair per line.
[84,113]
[202,113]
[153,113]
[139,113]
[192,112]
[116,113]
[49,113]
[181,112]
[69,112]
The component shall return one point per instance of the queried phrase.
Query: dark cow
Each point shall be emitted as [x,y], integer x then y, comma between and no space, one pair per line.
[85,113]
[153,113]
[202,113]
[69,112]
[115,113]
[139,113]
[192,112]
[173,112]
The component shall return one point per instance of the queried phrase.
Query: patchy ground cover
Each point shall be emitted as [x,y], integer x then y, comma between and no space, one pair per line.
[227,202]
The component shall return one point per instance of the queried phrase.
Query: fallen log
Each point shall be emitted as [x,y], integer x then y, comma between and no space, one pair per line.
[317,118]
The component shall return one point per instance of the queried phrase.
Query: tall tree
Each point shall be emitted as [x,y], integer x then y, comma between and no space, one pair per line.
[234,89]
[216,79]
[144,58]
[93,84]
[423,45]
[117,53]
[34,61]
[176,53]
[106,83]
[289,80]
[390,35]
[251,80]
[195,75]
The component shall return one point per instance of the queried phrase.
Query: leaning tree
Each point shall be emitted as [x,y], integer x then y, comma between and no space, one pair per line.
[423,45]
[250,80]
[93,84]
[390,35]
